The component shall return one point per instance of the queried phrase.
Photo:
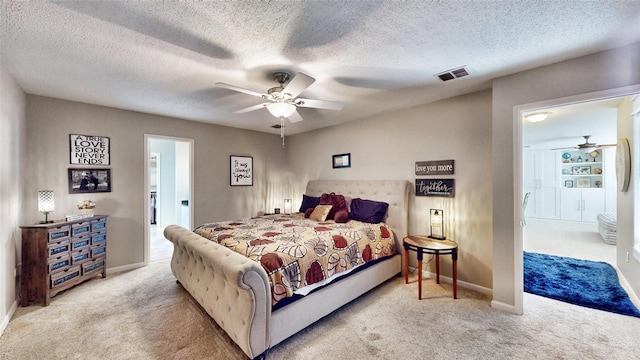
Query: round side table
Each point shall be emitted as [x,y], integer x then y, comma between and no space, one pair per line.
[426,245]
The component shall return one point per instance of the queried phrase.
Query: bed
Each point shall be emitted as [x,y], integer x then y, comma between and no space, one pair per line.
[236,290]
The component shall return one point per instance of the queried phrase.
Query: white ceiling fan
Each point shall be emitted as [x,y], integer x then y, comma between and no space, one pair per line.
[282,101]
[586,145]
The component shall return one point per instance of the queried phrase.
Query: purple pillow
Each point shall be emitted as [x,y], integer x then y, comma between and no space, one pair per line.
[368,210]
[309,202]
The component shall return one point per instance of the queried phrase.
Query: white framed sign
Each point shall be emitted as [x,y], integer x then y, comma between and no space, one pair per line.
[241,170]
[89,150]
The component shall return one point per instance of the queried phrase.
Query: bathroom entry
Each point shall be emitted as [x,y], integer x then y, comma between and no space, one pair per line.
[168,189]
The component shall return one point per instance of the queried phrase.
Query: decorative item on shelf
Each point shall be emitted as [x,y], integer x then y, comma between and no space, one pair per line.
[568,183]
[579,158]
[598,183]
[597,171]
[288,205]
[436,221]
[46,204]
[566,156]
[87,207]
[594,154]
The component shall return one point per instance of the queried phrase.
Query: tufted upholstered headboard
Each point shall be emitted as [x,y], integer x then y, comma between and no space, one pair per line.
[393,192]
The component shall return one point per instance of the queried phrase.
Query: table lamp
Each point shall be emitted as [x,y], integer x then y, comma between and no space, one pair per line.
[45,204]
[287,206]
[436,221]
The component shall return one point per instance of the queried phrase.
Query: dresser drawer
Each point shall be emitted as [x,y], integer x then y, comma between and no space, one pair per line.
[64,277]
[99,224]
[80,228]
[59,263]
[99,237]
[94,266]
[59,233]
[79,242]
[80,256]
[58,248]
[99,249]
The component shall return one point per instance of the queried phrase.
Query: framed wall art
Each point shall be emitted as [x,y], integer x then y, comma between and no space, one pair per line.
[341,160]
[87,180]
[241,170]
[89,150]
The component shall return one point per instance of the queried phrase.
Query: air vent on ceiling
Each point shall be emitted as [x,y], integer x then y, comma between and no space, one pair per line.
[453,74]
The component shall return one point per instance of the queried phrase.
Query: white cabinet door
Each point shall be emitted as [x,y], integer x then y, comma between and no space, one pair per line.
[571,204]
[592,204]
[540,176]
[581,204]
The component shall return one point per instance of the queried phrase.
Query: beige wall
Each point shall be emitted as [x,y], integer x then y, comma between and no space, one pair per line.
[12,145]
[598,72]
[50,121]
[387,147]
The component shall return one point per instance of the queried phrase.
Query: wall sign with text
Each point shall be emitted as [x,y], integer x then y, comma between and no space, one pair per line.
[435,187]
[241,170]
[89,149]
[439,167]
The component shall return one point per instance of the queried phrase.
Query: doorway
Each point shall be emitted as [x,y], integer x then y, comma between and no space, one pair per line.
[519,111]
[168,191]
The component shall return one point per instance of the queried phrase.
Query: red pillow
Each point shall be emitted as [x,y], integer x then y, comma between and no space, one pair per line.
[339,207]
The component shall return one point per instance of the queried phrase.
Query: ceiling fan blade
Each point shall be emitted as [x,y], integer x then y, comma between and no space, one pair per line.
[251,108]
[320,104]
[566,148]
[239,89]
[606,145]
[295,117]
[298,84]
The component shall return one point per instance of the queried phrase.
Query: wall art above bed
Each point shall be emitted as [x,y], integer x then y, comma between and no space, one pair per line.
[435,187]
[241,170]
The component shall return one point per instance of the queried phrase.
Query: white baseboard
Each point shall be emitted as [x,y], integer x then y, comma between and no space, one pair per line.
[5,320]
[625,285]
[464,284]
[504,307]
[125,268]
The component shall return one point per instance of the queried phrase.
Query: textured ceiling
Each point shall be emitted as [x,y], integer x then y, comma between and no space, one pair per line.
[375,56]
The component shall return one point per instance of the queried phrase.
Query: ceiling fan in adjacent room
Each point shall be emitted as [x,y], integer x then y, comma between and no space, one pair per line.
[282,101]
[586,145]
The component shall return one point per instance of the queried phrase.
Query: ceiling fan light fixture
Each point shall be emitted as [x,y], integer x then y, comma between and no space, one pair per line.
[537,117]
[281,109]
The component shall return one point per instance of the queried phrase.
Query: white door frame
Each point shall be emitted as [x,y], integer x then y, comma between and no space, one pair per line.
[147,154]
[517,171]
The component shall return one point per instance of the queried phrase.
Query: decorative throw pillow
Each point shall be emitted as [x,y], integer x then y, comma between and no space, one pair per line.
[339,204]
[309,202]
[320,212]
[368,210]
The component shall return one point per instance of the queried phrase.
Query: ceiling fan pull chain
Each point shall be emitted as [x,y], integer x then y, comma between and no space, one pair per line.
[282,129]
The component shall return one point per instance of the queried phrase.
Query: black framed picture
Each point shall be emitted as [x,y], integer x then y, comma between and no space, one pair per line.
[85,180]
[342,160]
[241,170]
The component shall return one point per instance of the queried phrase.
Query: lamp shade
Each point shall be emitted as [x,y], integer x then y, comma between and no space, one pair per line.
[436,222]
[45,201]
[281,109]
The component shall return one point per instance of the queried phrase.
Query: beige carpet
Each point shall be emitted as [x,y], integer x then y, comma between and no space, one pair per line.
[144,314]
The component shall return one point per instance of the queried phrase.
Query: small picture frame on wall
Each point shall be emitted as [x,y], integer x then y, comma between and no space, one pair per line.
[342,160]
[568,183]
[241,170]
[86,180]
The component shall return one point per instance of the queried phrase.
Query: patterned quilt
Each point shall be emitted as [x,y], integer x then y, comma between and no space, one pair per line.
[297,252]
